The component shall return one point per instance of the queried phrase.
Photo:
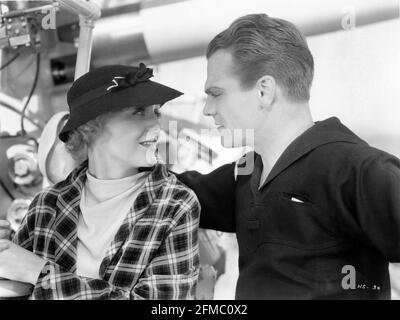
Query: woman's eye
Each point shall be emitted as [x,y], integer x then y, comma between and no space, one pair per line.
[139,112]
[157,112]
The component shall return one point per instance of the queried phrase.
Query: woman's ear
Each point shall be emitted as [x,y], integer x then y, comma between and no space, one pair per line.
[266,89]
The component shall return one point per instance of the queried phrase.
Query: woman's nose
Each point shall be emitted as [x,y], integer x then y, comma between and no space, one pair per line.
[154,127]
[153,118]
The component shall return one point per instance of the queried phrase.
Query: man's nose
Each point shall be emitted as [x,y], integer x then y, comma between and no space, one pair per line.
[209,109]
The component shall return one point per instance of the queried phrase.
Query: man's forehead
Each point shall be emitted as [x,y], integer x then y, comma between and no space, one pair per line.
[220,62]
[219,68]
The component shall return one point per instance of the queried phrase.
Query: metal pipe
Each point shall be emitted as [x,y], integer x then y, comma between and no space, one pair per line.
[84,47]
[89,10]
[16,106]
[88,13]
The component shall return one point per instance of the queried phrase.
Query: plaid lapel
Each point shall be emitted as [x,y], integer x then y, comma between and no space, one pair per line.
[151,189]
[65,228]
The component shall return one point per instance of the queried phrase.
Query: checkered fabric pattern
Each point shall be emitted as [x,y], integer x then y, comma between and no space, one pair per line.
[154,254]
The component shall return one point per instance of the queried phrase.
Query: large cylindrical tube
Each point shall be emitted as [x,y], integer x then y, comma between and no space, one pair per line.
[183,29]
[119,38]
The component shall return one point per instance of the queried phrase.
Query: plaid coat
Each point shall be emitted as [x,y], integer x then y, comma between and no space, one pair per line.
[154,254]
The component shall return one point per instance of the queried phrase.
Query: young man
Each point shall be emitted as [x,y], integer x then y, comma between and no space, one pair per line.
[319,216]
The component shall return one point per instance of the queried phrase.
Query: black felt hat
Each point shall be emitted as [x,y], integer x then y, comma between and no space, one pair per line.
[112,88]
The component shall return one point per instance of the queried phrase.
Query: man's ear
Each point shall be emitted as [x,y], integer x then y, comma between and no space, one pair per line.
[266,90]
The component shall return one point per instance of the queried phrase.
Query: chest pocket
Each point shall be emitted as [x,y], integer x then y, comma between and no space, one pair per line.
[292,219]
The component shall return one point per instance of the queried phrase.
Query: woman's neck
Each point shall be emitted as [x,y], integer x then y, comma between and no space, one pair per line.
[103,166]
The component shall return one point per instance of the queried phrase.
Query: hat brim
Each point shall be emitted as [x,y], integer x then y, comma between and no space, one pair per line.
[140,95]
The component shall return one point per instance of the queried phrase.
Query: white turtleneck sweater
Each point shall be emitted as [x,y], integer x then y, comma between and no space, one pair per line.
[104,206]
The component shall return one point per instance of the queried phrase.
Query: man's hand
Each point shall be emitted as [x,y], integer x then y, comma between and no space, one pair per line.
[19,264]
[5,230]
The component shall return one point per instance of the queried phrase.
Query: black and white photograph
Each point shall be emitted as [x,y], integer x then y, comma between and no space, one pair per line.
[213,152]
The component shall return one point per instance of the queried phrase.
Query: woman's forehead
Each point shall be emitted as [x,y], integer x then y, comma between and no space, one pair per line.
[145,107]
[131,109]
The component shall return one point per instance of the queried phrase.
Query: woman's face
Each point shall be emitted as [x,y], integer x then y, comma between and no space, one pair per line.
[130,137]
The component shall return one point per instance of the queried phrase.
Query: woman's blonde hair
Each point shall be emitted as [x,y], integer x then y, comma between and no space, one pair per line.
[81,138]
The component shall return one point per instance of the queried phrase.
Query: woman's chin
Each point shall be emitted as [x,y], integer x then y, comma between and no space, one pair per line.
[151,162]
[150,157]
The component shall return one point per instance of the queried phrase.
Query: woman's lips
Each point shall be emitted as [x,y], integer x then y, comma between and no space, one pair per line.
[149,143]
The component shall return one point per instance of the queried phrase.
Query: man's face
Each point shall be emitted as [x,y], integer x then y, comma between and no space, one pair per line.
[233,108]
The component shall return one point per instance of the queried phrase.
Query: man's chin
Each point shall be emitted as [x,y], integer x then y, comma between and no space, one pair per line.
[227,142]
[231,138]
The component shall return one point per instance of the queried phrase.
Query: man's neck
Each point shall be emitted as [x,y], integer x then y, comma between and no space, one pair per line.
[274,142]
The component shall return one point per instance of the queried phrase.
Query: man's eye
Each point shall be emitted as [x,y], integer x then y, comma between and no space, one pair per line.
[215,95]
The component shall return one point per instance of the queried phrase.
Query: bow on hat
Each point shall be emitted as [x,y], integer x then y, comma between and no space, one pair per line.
[142,74]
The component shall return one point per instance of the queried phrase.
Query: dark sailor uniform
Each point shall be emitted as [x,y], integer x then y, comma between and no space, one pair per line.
[324,225]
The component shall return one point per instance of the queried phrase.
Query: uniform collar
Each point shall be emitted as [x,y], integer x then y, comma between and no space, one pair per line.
[321,133]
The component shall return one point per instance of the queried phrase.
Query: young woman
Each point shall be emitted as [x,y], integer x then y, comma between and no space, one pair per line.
[110,230]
